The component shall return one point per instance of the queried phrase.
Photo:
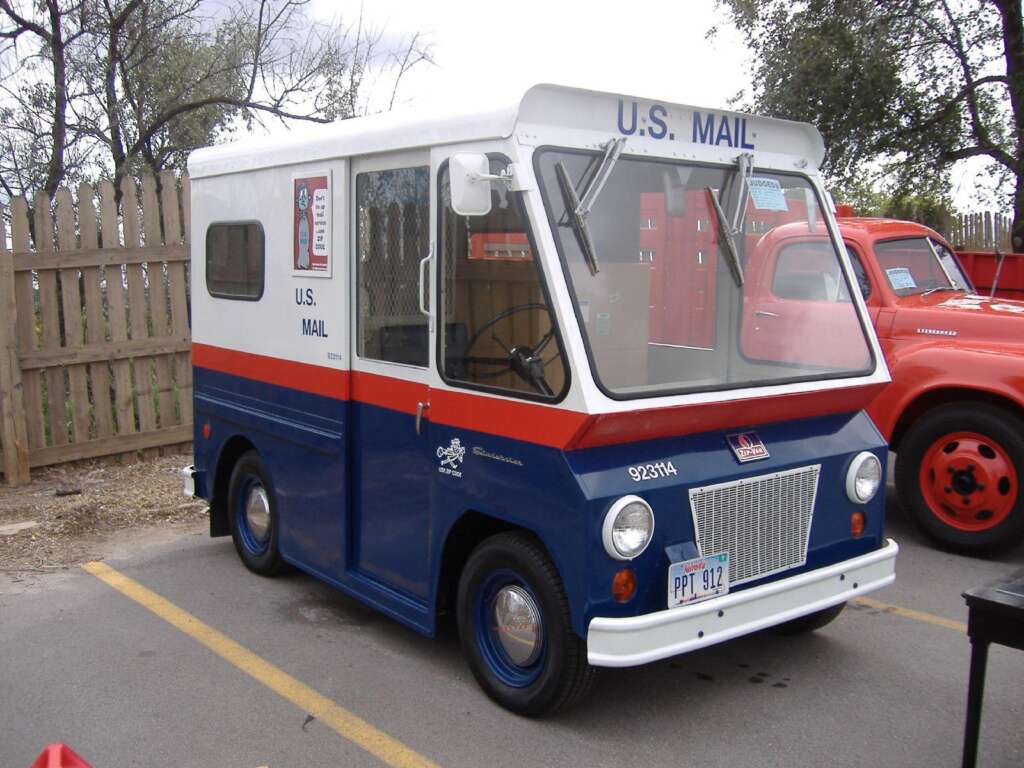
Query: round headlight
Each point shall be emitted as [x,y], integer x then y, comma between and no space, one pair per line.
[863,478]
[628,527]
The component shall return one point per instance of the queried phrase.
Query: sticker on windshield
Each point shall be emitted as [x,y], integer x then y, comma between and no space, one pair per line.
[767,194]
[900,279]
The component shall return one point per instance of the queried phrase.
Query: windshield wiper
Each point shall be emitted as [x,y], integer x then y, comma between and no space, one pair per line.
[727,231]
[579,210]
[940,288]
[725,240]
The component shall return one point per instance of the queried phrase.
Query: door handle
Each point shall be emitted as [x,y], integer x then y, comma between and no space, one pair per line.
[765,313]
[420,408]
[424,305]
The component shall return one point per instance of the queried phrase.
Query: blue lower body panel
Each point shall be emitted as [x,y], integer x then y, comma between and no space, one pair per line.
[367,504]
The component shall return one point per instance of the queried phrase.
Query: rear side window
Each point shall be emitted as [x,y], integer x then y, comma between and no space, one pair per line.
[235,260]
[809,272]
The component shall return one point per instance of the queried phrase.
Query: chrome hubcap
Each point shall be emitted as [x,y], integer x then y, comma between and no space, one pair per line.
[517,624]
[257,512]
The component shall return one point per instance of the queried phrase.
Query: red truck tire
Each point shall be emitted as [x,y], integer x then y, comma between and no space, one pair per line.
[958,474]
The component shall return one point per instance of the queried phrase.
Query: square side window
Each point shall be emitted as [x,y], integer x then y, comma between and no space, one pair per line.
[235,259]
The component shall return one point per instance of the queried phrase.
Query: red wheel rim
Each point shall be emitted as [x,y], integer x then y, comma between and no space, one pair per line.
[968,481]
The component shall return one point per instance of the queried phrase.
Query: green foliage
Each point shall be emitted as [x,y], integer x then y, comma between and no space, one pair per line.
[901,90]
[932,207]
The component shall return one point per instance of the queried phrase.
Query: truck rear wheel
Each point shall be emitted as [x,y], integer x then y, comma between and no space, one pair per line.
[958,473]
[515,628]
[252,512]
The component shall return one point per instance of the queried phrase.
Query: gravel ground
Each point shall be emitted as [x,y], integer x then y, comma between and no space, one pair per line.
[68,510]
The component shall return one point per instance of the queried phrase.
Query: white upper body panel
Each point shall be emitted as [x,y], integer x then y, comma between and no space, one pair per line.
[566,110]
[252,180]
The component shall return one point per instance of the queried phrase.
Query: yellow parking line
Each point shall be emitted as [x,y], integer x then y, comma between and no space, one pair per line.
[345,723]
[910,613]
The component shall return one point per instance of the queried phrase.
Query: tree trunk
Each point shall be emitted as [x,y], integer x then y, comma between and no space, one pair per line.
[1017,230]
[55,167]
[110,104]
[1013,52]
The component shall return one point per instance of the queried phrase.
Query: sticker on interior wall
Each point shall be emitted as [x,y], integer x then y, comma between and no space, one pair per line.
[311,219]
[767,194]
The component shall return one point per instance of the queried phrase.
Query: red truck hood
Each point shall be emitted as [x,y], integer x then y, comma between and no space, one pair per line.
[961,316]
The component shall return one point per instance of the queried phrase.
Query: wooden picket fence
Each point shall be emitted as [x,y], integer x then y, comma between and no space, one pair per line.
[980,231]
[94,324]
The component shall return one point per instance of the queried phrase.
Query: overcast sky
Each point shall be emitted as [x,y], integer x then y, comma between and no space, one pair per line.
[485,48]
[487,53]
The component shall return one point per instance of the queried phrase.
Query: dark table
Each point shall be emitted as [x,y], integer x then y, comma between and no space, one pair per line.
[995,614]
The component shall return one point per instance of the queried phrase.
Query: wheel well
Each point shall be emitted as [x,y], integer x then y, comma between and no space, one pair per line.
[940,397]
[229,455]
[467,533]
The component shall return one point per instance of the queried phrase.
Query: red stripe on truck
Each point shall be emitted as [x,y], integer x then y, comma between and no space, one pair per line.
[315,379]
[532,422]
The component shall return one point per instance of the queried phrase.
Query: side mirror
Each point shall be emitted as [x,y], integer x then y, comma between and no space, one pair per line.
[470,187]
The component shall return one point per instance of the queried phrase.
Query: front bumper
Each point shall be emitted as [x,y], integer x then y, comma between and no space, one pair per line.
[637,640]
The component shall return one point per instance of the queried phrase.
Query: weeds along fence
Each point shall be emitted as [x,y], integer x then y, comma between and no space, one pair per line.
[94,333]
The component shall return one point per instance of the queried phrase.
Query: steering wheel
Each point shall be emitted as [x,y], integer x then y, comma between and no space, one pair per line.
[526,361]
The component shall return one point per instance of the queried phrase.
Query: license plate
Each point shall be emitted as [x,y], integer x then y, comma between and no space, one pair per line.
[693,580]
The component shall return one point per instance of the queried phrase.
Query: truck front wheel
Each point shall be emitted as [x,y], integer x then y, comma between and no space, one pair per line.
[958,473]
[515,628]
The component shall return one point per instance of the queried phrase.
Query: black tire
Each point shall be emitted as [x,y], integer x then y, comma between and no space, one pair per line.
[560,677]
[256,547]
[810,622]
[999,455]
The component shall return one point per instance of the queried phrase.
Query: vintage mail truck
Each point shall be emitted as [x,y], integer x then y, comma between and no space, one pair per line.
[504,366]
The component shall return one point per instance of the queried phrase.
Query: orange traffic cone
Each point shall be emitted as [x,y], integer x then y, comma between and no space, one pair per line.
[59,756]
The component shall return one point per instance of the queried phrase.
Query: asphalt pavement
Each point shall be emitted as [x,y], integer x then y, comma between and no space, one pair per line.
[176,655]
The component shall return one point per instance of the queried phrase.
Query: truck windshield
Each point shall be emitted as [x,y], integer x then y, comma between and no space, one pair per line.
[666,313]
[918,265]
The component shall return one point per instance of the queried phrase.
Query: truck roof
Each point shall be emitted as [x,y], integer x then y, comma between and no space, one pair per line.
[541,105]
[878,228]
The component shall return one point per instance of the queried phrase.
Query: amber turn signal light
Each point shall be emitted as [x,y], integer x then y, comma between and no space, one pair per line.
[624,585]
[857,524]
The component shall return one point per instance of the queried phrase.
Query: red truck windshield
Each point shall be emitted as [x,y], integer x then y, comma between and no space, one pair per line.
[669,309]
[916,265]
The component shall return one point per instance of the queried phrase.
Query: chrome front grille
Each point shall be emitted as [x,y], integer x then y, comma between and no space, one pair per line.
[762,522]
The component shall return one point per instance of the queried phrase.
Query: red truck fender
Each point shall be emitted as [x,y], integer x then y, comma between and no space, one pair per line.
[931,375]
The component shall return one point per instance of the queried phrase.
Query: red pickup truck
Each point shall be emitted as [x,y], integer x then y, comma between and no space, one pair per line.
[954,413]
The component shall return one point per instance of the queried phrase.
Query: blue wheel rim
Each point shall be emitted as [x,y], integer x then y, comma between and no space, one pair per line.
[491,651]
[252,543]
